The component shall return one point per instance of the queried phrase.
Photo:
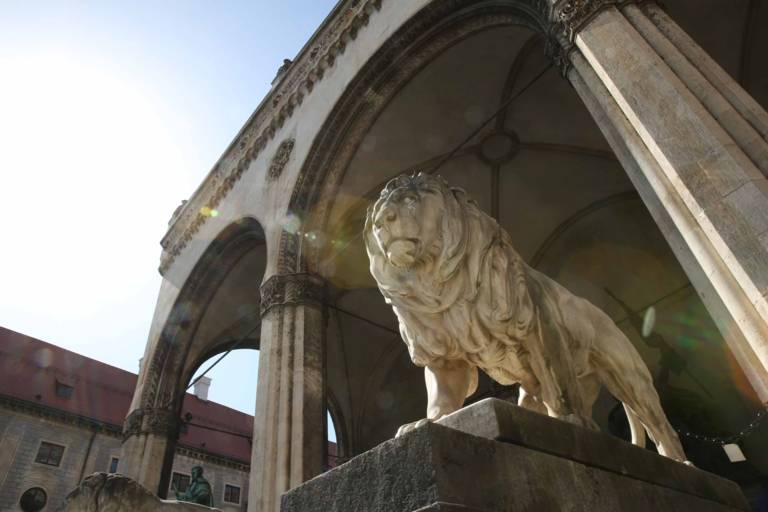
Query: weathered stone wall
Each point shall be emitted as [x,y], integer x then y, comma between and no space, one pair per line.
[20,437]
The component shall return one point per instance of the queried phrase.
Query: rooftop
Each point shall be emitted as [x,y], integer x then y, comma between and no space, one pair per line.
[36,372]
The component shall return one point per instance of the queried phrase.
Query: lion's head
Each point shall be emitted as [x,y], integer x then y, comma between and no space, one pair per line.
[422,229]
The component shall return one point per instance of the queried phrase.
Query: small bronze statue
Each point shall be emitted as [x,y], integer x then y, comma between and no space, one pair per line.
[199,490]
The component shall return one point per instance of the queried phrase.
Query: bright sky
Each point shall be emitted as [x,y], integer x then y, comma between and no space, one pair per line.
[111,113]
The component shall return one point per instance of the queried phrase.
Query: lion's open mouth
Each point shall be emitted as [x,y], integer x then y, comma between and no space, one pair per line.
[401,252]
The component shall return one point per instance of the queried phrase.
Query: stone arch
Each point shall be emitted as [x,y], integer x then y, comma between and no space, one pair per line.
[190,336]
[431,31]
[434,29]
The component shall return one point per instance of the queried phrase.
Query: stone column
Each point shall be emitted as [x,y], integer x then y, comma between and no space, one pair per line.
[694,144]
[289,425]
[149,438]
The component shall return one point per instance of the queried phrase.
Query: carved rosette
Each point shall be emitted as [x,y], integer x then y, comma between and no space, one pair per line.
[280,160]
[292,290]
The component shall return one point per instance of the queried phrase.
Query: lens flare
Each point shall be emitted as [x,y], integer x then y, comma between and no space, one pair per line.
[43,358]
[292,224]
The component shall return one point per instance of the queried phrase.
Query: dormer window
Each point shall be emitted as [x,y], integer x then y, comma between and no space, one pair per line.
[63,389]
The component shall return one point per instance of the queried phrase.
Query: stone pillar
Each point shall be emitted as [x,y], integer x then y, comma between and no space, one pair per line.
[149,438]
[289,425]
[694,144]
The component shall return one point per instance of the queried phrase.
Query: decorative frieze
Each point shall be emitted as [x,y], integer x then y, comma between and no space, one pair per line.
[294,85]
[291,290]
[280,160]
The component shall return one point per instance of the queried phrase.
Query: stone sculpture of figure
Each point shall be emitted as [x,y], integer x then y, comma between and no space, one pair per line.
[103,492]
[465,300]
[199,490]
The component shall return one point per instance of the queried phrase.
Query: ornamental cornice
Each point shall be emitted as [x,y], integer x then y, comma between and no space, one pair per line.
[50,413]
[309,67]
[291,290]
[206,456]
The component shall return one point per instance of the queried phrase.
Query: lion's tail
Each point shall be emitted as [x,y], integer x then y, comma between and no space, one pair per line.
[636,427]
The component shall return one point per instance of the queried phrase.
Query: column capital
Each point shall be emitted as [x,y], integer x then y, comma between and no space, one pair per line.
[573,15]
[291,290]
[568,18]
[150,421]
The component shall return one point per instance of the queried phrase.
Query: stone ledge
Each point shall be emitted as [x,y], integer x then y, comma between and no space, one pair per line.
[440,469]
[502,421]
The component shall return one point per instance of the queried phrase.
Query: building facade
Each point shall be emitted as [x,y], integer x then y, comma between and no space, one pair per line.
[622,144]
[60,420]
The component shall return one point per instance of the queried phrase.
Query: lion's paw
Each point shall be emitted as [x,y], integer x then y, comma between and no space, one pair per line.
[408,427]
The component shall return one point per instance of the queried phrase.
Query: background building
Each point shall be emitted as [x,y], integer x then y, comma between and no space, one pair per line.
[61,418]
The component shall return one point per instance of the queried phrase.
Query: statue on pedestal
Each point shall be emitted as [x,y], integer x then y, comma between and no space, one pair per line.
[101,492]
[199,490]
[465,300]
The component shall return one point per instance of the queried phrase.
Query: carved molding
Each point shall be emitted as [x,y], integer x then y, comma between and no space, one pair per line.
[205,456]
[292,290]
[573,15]
[569,17]
[150,421]
[289,92]
[132,424]
[280,159]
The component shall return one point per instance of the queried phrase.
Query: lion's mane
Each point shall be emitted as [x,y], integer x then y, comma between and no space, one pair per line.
[474,296]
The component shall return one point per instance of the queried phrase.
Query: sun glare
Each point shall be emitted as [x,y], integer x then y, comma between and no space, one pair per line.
[87,164]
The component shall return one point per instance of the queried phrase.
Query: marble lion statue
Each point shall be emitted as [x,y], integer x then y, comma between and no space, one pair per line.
[103,492]
[465,300]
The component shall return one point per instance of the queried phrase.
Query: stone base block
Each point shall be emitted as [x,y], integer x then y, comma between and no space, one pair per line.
[496,457]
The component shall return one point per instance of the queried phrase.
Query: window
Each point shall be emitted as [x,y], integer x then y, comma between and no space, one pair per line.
[232,494]
[49,454]
[113,464]
[64,390]
[33,500]
[179,482]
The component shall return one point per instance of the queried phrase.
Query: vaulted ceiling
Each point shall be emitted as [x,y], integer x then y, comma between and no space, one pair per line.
[545,171]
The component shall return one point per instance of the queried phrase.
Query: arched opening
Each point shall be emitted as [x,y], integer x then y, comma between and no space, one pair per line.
[336,450]
[544,170]
[217,310]
[216,425]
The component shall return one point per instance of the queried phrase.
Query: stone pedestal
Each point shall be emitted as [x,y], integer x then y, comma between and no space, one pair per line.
[494,457]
